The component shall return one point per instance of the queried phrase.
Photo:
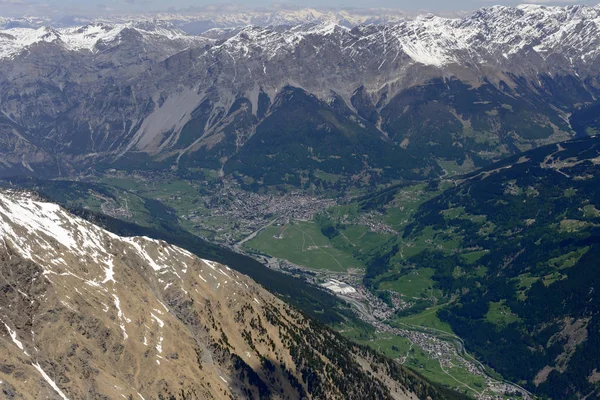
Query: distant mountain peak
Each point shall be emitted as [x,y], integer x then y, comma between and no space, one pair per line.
[86,37]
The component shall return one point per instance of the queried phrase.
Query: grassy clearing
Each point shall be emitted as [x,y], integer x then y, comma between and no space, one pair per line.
[429,239]
[453,213]
[473,257]
[358,239]
[125,183]
[568,260]
[573,225]
[391,345]
[460,213]
[303,243]
[500,314]
[328,177]
[405,204]
[590,211]
[428,319]
[415,284]
[360,334]
[452,168]
[525,282]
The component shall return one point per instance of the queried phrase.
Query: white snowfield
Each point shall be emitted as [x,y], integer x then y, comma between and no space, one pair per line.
[28,225]
[483,36]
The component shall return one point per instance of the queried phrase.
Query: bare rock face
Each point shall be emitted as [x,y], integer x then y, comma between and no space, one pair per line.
[86,314]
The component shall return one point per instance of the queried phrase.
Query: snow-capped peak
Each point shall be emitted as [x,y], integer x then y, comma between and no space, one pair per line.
[487,35]
[490,35]
[15,40]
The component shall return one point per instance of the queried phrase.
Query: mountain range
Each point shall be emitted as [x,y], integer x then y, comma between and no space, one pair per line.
[198,21]
[411,99]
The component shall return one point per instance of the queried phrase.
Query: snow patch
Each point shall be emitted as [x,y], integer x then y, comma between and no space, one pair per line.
[158,320]
[122,318]
[13,336]
[50,381]
[110,272]
[162,304]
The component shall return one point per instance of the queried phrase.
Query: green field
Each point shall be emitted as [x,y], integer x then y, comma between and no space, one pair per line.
[391,345]
[180,194]
[184,197]
[304,244]
[429,239]
[405,204]
[452,168]
[415,284]
[472,257]
[427,319]
[590,211]
[500,314]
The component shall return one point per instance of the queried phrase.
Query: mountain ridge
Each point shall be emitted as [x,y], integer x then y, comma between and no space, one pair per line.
[138,317]
[188,98]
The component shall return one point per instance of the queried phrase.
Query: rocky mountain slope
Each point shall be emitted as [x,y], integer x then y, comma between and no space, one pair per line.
[88,314]
[403,99]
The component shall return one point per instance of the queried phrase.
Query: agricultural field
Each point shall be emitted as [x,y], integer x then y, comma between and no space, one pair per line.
[415,284]
[426,319]
[304,244]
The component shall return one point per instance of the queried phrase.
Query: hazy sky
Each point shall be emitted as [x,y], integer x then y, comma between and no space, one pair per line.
[87,7]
